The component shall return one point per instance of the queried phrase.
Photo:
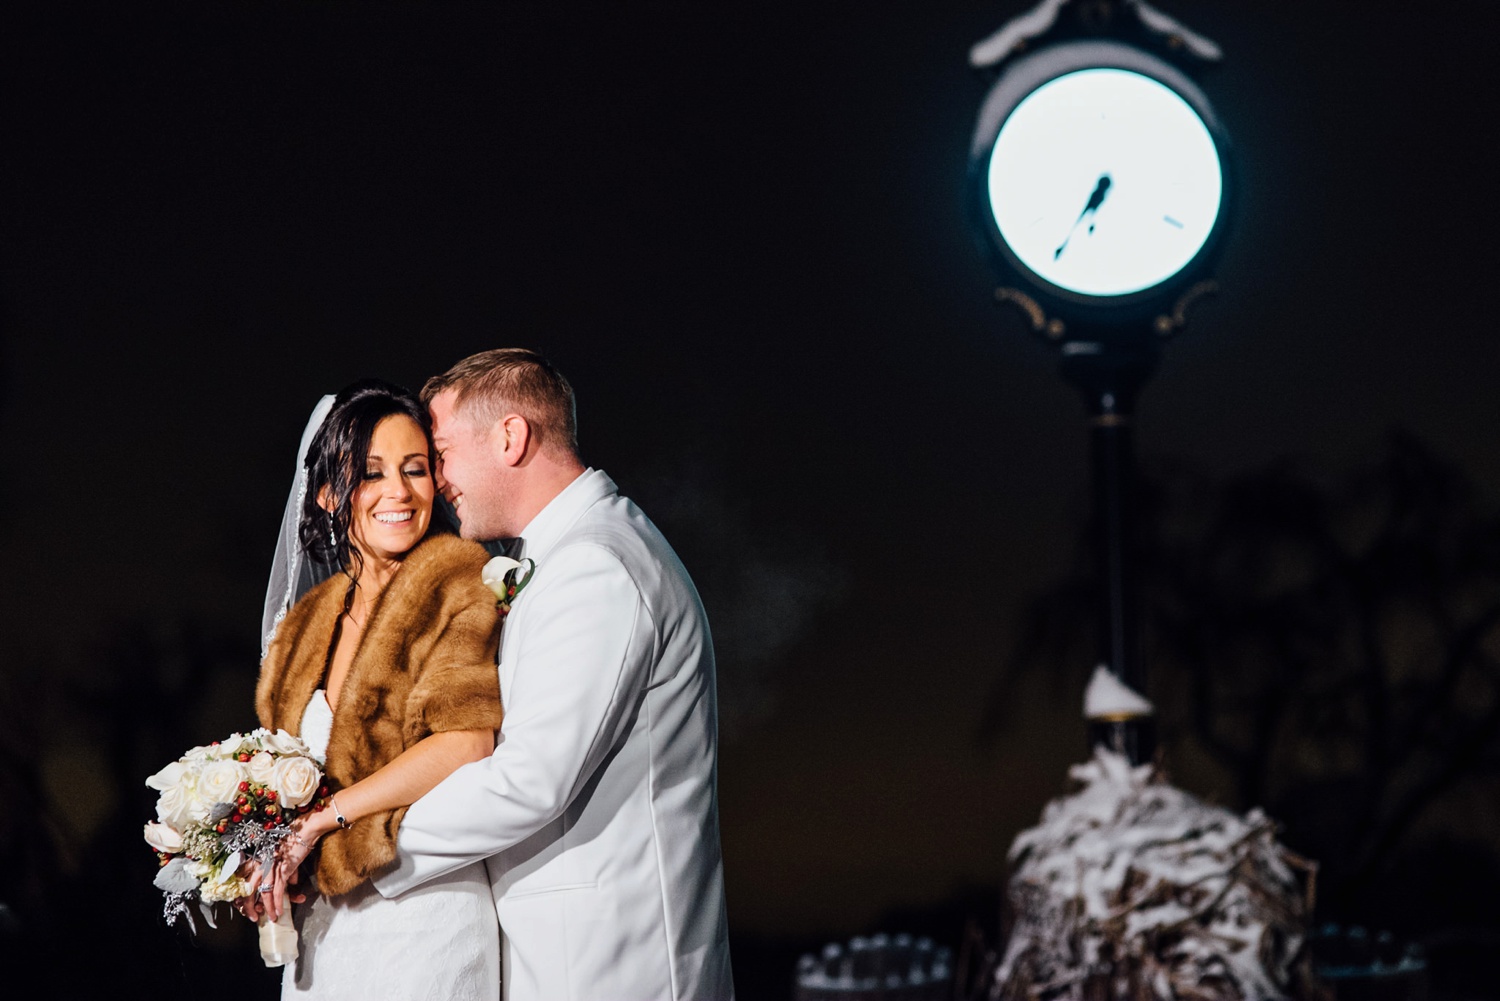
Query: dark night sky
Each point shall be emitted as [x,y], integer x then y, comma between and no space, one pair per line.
[737,227]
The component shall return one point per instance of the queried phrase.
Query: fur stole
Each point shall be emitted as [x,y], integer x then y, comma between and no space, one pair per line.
[426,663]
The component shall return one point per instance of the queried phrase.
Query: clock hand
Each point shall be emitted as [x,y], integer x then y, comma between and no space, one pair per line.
[1095,200]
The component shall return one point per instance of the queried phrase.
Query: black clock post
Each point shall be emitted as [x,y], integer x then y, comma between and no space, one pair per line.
[1110,379]
[1099,185]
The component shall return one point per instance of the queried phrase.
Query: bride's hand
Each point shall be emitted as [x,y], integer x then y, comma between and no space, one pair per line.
[285,870]
[252,905]
[297,846]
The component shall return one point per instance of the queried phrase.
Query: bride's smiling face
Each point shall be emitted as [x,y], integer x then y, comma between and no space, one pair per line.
[392,506]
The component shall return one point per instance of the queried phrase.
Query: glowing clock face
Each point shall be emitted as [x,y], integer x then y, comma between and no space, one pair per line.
[1104,182]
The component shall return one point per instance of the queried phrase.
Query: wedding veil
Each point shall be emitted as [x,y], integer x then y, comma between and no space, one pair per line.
[292,573]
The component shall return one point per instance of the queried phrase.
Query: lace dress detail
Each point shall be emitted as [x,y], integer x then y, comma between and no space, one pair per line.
[439,941]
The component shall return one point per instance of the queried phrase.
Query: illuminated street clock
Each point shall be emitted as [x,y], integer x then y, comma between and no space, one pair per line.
[1098,176]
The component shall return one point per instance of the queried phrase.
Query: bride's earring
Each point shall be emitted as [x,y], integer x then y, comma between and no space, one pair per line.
[333,539]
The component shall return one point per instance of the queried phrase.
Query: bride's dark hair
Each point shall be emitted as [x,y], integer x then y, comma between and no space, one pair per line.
[336,460]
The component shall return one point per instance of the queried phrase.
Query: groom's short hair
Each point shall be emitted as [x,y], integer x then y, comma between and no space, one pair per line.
[490,384]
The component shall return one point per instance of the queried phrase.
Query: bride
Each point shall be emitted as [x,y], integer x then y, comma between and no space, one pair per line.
[387,670]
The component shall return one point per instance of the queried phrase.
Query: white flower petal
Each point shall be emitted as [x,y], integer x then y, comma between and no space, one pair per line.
[163,838]
[167,777]
[494,573]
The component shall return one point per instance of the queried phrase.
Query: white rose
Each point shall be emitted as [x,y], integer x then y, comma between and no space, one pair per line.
[296,781]
[167,777]
[172,807]
[259,767]
[282,742]
[200,754]
[197,810]
[234,744]
[219,782]
[163,838]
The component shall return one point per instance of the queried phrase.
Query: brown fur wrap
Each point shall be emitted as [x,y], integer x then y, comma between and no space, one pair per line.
[426,663]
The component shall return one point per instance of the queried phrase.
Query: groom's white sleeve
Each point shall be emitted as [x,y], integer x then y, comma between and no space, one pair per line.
[580,672]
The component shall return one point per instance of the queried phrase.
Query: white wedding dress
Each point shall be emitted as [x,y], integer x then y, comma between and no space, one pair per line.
[439,941]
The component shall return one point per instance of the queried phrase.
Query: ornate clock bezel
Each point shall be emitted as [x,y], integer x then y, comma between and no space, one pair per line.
[1020,78]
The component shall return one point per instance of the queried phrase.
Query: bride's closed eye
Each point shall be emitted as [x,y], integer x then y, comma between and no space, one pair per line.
[416,472]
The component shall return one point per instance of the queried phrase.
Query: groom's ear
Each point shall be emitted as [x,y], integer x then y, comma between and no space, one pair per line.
[513,439]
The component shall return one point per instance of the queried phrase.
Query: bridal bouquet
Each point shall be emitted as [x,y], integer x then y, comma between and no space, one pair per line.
[222,805]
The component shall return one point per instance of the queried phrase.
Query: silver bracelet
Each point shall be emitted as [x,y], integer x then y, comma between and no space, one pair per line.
[338,814]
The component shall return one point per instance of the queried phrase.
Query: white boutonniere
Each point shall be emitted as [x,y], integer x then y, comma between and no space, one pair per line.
[506,577]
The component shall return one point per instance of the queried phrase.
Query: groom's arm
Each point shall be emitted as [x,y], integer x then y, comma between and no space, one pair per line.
[579,675]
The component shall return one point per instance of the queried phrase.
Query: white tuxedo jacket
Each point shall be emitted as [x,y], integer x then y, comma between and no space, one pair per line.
[598,812]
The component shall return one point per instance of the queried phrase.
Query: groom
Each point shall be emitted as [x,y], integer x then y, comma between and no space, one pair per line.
[597,815]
